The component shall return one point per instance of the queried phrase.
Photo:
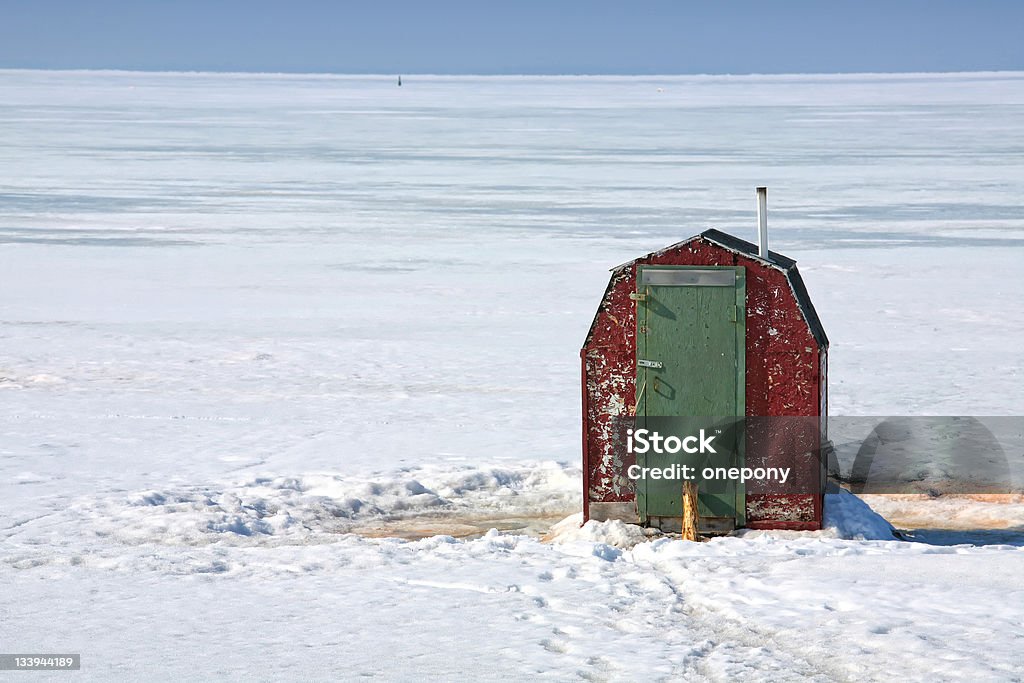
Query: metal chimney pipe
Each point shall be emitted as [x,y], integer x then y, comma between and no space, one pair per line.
[762,222]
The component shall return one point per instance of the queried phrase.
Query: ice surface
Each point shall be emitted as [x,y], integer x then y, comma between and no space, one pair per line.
[245,314]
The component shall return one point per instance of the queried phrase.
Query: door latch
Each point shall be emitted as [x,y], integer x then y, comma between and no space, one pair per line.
[657,364]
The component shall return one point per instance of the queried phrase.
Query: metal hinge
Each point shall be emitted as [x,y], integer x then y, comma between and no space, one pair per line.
[734,314]
[649,363]
[638,296]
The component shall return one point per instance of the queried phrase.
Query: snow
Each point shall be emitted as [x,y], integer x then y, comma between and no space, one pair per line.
[314,508]
[847,516]
[278,351]
[611,532]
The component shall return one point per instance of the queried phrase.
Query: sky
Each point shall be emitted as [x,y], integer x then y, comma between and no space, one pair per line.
[514,36]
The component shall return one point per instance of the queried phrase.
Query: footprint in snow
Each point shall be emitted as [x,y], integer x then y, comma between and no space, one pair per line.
[556,646]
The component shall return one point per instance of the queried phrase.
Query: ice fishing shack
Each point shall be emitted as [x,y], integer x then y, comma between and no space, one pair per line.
[711,327]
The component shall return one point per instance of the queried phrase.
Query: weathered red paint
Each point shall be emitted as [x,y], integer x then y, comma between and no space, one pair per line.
[586,451]
[785,375]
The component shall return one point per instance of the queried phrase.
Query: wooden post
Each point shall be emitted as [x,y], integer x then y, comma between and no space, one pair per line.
[689,511]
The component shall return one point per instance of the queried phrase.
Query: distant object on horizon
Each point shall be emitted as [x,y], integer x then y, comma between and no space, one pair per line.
[399,81]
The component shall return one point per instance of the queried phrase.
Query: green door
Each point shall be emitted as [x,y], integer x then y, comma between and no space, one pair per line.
[691,367]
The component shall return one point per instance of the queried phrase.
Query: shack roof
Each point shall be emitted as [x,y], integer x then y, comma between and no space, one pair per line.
[750,250]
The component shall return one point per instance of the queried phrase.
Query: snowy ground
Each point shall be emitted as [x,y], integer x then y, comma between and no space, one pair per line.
[243,315]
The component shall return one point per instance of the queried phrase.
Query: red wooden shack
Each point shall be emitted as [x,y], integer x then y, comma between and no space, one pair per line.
[735,325]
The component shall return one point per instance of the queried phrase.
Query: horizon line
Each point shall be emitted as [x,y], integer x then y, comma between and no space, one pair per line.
[344,74]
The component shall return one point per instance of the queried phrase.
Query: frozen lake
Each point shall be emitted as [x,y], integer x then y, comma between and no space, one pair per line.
[241,310]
